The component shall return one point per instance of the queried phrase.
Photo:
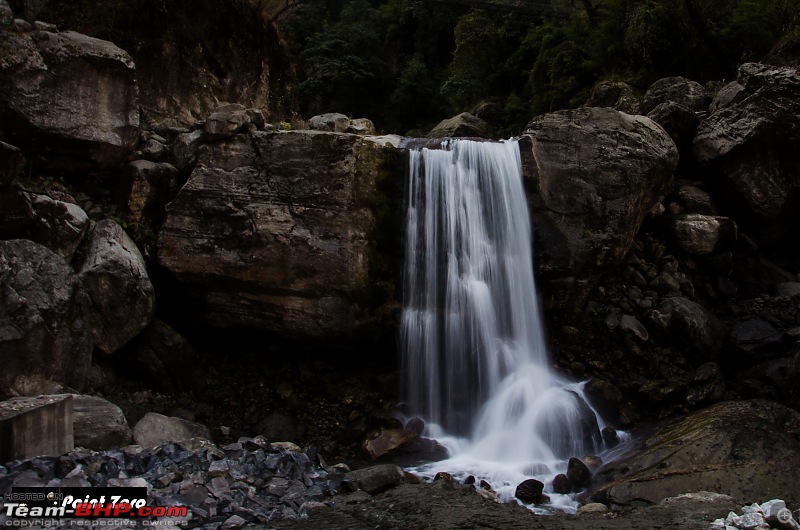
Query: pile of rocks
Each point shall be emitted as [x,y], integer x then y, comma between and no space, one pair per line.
[244,482]
[771,514]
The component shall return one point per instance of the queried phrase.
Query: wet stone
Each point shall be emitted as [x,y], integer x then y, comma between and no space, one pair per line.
[529,491]
[561,484]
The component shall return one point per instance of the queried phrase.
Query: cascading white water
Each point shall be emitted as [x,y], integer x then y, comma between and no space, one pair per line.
[474,356]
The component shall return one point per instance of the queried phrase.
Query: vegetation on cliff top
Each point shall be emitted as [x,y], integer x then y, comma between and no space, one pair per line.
[409,63]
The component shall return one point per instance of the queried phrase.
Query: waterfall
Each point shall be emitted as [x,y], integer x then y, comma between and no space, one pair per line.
[475,363]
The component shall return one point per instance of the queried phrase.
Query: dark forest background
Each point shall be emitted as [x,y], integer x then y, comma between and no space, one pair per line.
[406,64]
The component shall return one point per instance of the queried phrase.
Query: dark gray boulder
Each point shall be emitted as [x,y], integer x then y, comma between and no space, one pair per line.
[43,318]
[60,226]
[748,149]
[156,429]
[462,125]
[69,100]
[680,90]
[331,122]
[593,175]
[98,424]
[225,121]
[615,94]
[116,279]
[746,449]
[375,479]
[702,235]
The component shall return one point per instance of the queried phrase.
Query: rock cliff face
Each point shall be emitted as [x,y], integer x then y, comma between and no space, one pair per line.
[593,174]
[279,232]
[190,55]
[749,147]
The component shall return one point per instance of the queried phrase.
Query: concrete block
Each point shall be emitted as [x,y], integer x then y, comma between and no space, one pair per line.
[35,426]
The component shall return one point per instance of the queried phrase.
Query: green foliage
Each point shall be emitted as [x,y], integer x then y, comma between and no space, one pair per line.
[408,63]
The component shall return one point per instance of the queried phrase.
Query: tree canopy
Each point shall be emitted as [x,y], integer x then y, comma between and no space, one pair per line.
[409,63]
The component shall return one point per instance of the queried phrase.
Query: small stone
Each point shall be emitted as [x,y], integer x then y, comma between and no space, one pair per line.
[485,485]
[751,521]
[592,508]
[415,425]
[234,521]
[610,436]
[219,468]
[443,475]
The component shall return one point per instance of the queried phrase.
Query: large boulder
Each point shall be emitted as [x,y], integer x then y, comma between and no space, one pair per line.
[43,318]
[116,279]
[749,150]
[156,429]
[746,449]
[290,232]
[98,424]
[68,100]
[593,175]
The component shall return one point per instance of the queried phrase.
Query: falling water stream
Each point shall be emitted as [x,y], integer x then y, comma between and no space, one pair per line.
[475,364]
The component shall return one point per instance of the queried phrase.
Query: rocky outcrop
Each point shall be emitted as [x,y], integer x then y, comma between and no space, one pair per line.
[11,161]
[283,232]
[699,235]
[43,318]
[191,56]
[463,125]
[593,175]
[113,270]
[68,100]
[748,148]
[748,450]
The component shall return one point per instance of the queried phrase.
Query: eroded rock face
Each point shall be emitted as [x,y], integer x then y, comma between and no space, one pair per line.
[68,100]
[43,312]
[116,279]
[191,56]
[746,449]
[278,231]
[593,174]
[749,148]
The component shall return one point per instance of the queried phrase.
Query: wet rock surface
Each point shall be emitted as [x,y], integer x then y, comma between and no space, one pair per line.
[745,449]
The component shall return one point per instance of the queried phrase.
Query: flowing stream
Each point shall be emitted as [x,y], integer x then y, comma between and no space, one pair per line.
[475,364]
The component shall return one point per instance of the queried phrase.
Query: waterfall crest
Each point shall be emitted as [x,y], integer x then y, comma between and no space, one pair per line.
[474,357]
